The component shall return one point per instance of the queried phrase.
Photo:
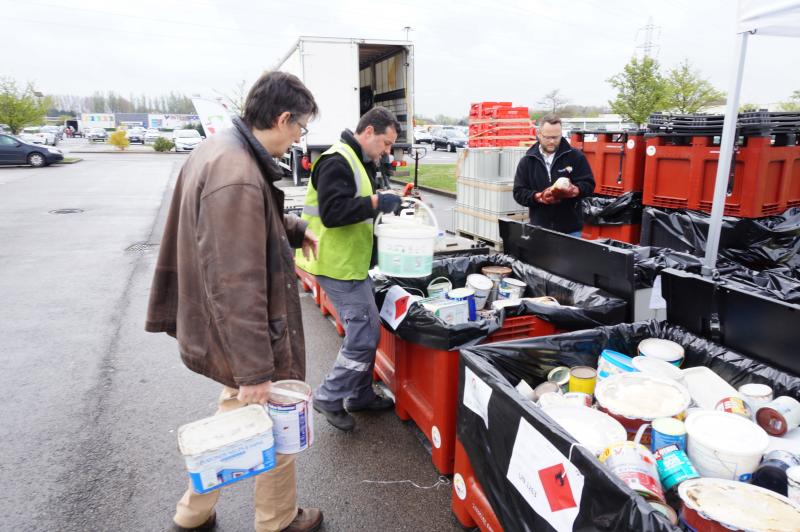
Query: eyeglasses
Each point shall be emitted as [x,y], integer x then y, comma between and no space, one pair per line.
[303,127]
[556,137]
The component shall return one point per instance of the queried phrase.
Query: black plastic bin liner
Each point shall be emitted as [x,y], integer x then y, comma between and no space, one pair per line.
[778,284]
[607,504]
[611,210]
[759,244]
[581,306]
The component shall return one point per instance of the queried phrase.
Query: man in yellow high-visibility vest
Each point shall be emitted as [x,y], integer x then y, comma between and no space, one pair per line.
[340,206]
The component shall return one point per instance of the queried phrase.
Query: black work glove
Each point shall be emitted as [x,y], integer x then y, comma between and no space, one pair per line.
[388,202]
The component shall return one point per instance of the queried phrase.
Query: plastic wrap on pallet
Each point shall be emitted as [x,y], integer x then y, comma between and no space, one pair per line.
[581,306]
[609,210]
[758,244]
[605,502]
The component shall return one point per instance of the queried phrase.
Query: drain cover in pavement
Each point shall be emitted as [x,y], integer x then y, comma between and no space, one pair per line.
[66,211]
[140,247]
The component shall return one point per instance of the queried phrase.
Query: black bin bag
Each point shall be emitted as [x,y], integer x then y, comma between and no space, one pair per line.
[613,210]
[606,503]
[580,307]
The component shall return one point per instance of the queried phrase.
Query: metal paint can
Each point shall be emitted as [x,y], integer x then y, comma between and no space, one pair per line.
[734,405]
[635,465]
[779,416]
[666,510]
[545,387]
[667,431]
[560,376]
[289,407]
[772,473]
[582,379]
[673,466]
[468,295]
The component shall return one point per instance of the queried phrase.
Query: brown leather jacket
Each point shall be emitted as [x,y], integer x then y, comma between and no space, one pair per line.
[224,283]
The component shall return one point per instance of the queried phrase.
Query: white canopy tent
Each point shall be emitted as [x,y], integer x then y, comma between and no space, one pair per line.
[756,17]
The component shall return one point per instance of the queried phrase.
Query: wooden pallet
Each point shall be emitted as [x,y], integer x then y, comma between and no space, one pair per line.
[498,246]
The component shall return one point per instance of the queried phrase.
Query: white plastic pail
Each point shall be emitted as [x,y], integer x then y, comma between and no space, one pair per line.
[405,248]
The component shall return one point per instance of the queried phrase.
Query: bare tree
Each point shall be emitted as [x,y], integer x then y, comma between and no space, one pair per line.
[553,100]
[237,96]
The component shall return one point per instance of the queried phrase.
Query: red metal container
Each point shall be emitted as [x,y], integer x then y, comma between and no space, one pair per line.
[617,160]
[426,385]
[682,176]
[469,503]
[629,233]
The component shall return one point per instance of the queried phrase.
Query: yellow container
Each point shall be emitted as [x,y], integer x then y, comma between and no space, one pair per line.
[582,379]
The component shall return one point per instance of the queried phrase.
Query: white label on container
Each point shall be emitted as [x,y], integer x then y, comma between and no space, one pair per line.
[396,305]
[476,395]
[460,486]
[651,150]
[545,478]
[436,437]
[631,144]
[656,299]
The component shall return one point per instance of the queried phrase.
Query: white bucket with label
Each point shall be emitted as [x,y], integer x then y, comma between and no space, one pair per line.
[511,288]
[405,248]
[223,449]
[439,287]
[289,406]
[482,286]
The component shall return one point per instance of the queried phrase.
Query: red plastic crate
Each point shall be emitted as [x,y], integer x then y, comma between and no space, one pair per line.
[309,283]
[327,307]
[482,109]
[385,357]
[629,233]
[683,176]
[510,113]
[617,160]
[468,501]
[426,383]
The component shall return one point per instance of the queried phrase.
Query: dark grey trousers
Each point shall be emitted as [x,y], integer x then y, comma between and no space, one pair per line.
[350,379]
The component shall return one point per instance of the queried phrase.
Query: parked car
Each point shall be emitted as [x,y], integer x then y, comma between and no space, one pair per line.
[151,135]
[14,150]
[449,138]
[186,139]
[422,136]
[55,130]
[97,133]
[135,135]
[38,135]
[4,128]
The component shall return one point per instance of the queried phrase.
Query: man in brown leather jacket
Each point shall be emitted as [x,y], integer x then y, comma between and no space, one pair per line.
[225,286]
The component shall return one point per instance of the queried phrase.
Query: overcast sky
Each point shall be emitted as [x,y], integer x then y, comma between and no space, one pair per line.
[465,50]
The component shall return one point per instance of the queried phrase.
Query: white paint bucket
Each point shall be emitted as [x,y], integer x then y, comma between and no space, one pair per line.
[289,407]
[405,248]
[724,445]
[482,286]
[223,449]
[666,350]
[511,288]
[439,287]
[465,294]
[756,395]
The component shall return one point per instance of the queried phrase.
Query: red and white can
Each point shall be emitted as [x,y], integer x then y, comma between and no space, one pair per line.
[779,416]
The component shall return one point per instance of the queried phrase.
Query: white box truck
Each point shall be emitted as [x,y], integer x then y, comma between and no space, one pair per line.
[347,78]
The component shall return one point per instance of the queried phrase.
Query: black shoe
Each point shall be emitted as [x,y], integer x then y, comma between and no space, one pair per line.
[376,405]
[210,524]
[338,418]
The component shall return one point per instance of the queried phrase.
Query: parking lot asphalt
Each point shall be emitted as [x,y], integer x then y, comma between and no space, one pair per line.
[92,402]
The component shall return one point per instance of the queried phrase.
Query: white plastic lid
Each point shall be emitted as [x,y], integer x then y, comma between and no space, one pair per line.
[594,429]
[640,396]
[215,432]
[481,282]
[726,432]
[657,368]
[663,349]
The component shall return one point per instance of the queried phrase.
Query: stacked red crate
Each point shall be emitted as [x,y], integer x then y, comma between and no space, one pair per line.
[616,158]
[493,124]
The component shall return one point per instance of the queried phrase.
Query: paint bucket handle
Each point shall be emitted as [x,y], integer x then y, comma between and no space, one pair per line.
[640,432]
[289,393]
[414,200]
